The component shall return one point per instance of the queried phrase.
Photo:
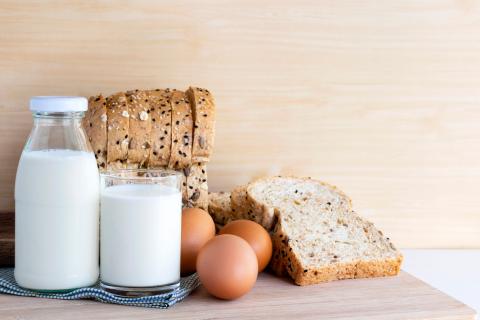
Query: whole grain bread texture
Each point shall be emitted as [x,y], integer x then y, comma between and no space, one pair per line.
[197,189]
[117,131]
[203,107]
[155,129]
[317,237]
[242,208]
[161,132]
[219,207]
[95,125]
[182,131]
[139,129]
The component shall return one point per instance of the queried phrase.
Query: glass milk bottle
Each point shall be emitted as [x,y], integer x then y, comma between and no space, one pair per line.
[57,200]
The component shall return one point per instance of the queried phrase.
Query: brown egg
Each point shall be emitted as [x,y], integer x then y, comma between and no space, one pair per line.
[227,267]
[197,228]
[255,235]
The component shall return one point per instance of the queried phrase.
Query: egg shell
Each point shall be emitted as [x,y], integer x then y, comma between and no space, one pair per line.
[197,229]
[255,235]
[227,267]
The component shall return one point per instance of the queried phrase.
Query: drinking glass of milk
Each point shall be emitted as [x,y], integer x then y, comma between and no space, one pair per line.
[57,200]
[140,231]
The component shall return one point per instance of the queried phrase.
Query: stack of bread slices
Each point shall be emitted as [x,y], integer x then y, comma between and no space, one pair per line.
[161,128]
[316,235]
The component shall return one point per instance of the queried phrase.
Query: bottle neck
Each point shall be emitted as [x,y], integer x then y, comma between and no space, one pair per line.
[57,116]
[57,130]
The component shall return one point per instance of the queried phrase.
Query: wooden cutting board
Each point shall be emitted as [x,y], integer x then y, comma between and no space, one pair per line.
[7,239]
[401,297]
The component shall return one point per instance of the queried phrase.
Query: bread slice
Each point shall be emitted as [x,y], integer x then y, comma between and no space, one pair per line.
[182,130]
[139,127]
[203,107]
[95,125]
[183,189]
[161,132]
[117,130]
[219,207]
[317,237]
[242,208]
[197,188]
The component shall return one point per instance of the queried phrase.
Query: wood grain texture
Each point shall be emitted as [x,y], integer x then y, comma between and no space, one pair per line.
[402,297]
[378,97]
[7,240]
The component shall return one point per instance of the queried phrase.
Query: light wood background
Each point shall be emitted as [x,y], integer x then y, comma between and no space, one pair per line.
[381,98]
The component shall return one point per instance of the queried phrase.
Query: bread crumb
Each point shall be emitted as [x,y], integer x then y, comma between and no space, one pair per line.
[125,114]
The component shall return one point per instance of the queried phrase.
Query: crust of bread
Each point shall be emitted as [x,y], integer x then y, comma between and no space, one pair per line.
[117,130]
[139,128]
[340,271]
[241,206]
[279,252]
[95,125]
[182,130]
[219,207]
[184,188]
[161,132]
[203,107]
[197,188]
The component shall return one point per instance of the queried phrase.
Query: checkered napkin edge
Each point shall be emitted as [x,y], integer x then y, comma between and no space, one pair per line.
[161,301]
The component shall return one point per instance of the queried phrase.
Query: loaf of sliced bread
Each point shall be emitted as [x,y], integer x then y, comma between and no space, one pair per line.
[95,124]
[219,207]
[203,108]
[316,236]
[155,129]
[161,133]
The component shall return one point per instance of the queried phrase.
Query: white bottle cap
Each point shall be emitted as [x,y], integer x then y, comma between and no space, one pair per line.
[58,104]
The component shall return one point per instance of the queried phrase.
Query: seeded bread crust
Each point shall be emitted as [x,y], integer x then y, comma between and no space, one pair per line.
[280,250]
[161,133]
[219,207]
[203,107]
[139,129]
[182,130]
[197,188]
[184,191]
[95,125]
[117,131]
[241,206]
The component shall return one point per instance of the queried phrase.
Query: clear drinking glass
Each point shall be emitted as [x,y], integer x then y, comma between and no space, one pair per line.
[140,231]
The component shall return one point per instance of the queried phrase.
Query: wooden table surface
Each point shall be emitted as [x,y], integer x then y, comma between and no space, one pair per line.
[401,297]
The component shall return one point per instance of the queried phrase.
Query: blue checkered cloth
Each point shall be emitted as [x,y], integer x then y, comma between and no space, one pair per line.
[162,301]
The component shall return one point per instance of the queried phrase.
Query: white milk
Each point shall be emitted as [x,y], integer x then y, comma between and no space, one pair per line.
[57,216]
[140,235]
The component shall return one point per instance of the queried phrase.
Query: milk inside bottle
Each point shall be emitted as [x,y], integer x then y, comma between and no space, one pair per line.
[57,200]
